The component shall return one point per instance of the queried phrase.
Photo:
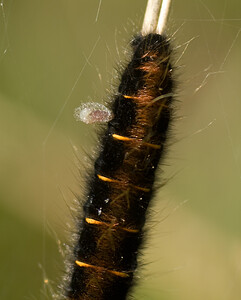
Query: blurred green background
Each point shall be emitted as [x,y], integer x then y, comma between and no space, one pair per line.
[55,55]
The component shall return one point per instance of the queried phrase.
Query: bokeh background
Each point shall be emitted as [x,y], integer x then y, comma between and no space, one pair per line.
[55,54]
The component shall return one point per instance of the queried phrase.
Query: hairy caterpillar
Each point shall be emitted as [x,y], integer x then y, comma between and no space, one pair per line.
[39,70]
[121,187]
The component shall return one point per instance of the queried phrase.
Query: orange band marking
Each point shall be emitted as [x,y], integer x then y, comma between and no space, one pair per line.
[95,222]
[122,138]
[131,97]
[82,264]
[121,274]
[103,178]
[92,221]
[126,139]
[130,230]
[117,181]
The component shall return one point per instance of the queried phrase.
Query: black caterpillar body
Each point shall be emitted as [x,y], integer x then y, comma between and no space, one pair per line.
[120,190]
